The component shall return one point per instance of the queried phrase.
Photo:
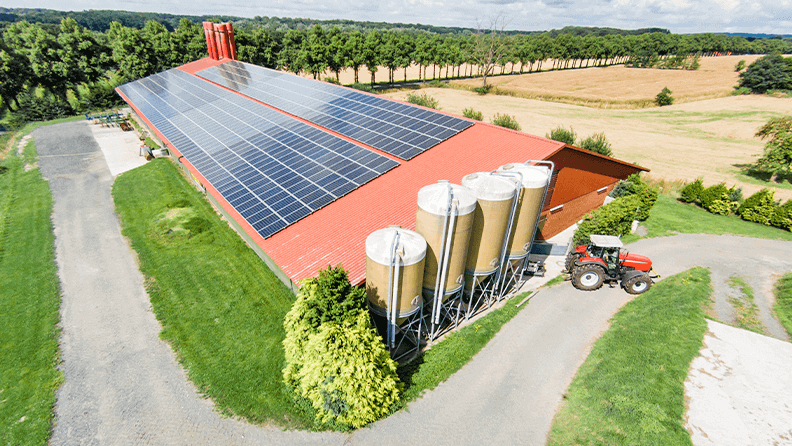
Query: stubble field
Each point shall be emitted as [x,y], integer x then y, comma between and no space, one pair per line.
[712,138]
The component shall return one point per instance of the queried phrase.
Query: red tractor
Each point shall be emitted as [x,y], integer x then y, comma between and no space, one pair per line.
[604,260]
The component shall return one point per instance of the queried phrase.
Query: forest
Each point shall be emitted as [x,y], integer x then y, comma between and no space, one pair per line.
[48,70]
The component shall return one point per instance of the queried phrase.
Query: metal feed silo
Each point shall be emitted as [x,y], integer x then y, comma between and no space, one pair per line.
[445,219]
[494,195]
[529,205]
[395,259]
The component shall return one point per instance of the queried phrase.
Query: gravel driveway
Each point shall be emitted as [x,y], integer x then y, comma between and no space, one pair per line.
[123,385]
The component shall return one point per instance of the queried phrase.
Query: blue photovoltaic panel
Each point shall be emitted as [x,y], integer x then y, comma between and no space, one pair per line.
[271,167]
[399,129]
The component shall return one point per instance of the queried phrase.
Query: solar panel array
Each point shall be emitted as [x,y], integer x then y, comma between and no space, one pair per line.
[272,168]
[398,129]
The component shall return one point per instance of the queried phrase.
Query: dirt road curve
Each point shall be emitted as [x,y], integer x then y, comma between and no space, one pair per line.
[123,385]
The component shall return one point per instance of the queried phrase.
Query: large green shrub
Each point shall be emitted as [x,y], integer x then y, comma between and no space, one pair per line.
[349,376]
[646,194]
[38,106]
[614,218]
[782,216]
[759,207]
[563,135]
[716,199]
[334,357]
[597,143]
[691,193]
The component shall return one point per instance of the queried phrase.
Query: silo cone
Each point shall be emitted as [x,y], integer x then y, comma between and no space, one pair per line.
[529,205]
[409,273]
[431,221]
[494,195]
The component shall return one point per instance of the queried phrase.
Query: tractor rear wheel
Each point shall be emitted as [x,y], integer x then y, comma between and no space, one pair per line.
[588,277]
[637,284]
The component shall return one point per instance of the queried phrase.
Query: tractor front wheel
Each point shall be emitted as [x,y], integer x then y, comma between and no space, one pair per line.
[570,261]
[638,284]
[588,277]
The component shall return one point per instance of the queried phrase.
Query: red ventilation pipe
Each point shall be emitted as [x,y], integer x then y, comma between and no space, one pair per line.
[231,41]
[210,39]
[218,41]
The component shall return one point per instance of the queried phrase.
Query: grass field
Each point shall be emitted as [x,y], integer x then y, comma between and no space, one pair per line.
[783,305]
[621,87]
[220,307]
[29,302]
[630,389]
[669,216]
[713,139]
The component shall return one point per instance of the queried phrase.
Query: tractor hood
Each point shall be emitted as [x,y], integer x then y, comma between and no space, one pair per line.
[639,262]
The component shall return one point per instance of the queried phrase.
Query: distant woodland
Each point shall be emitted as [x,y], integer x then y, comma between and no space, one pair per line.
[54,63]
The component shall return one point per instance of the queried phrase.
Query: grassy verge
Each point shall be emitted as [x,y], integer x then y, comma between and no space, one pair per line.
[783,305]
[29,301]
[220,307]
[630,390]
[669,216]
[457,349]
[745,307]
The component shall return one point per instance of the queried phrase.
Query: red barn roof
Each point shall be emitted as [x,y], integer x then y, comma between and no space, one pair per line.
[336,234]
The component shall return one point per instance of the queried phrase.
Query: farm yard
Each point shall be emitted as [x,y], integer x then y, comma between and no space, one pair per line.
[712,138]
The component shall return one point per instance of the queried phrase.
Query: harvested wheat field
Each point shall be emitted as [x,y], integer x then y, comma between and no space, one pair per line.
[622,87]
[710,138]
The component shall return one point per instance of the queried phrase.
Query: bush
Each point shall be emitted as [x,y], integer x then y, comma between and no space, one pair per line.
[771,72]
[782,216]
[473,114]
[740,65]
[736,195]
[614,218]
[635,186]
[664,97]
[739,91]
[361,87]
[718,192]
[691,193]
[334,357]
[437,84]
[423,100]
[597,143]
[332,80]
[506,121]
[563,135]
[483,90]
[759,207]
[100,96]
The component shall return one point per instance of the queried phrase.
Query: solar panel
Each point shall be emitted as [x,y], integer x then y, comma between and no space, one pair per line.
[272,168]
[399,129]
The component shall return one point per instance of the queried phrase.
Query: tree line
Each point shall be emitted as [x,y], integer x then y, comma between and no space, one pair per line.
[79,67]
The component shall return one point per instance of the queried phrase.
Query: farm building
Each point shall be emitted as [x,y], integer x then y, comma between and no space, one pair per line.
[305,170]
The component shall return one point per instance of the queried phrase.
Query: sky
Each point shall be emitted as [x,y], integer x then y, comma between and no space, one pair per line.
[679,16]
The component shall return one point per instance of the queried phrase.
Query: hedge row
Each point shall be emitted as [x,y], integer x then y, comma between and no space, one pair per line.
[334,357]
[760,207]
[633,201]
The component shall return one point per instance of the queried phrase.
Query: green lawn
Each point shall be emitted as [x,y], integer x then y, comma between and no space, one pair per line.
[29,302]
[630,390]
[747,312]
[220,307]
[783,305]
[669,216]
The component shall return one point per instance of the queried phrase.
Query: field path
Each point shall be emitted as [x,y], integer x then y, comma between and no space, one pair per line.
[124,386]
